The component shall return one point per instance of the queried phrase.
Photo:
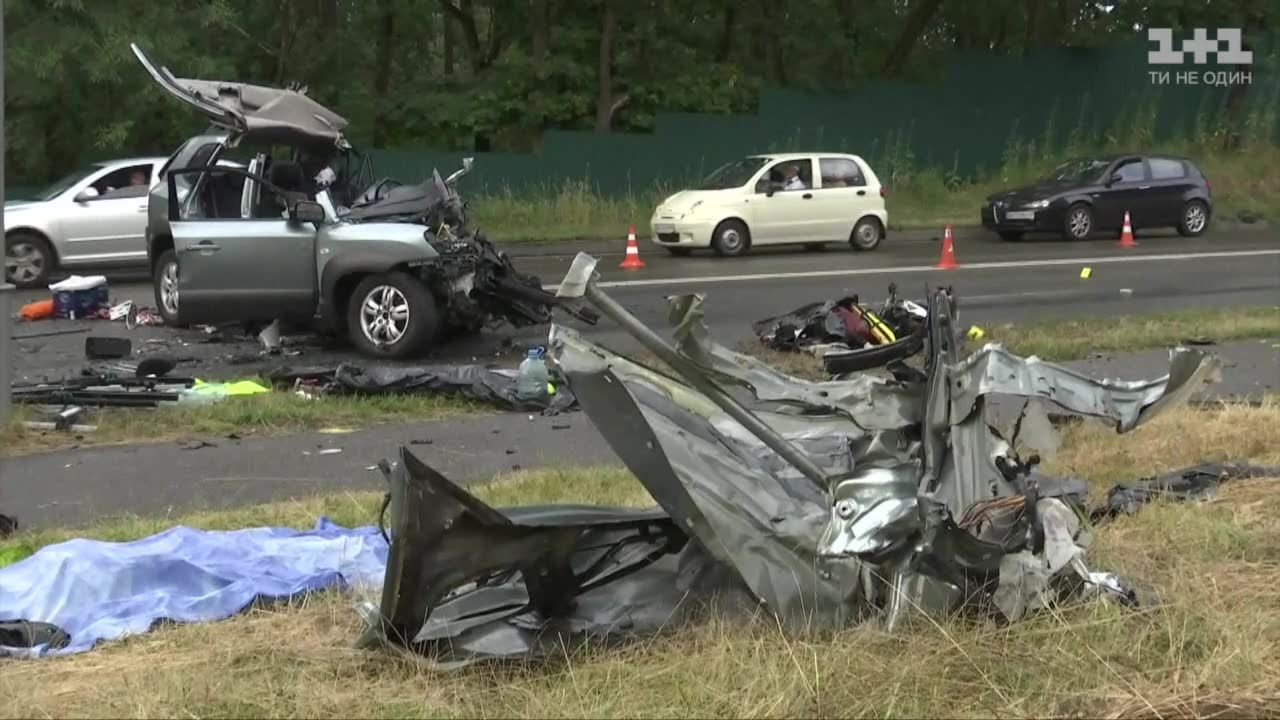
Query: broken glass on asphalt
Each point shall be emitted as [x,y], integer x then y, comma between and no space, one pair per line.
[825,503]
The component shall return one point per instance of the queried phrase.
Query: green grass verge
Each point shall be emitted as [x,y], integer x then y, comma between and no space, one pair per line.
[1244,181]
[275,413]
[1205,643]
[1055,340]
[1061,340]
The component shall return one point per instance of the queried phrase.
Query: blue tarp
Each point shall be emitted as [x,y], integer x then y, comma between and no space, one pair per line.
[97,590]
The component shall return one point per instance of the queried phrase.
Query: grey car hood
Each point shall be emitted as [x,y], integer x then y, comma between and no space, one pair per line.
[265,112]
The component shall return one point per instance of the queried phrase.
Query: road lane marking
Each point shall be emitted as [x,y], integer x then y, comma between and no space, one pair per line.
[1004,264]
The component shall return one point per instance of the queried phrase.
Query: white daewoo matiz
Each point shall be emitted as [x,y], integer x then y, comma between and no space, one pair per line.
[776,199]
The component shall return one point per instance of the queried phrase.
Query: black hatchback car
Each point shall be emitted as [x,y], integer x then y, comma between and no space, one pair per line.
[1089,194]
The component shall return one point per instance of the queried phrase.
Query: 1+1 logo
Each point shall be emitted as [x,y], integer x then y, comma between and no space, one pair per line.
[1200,47]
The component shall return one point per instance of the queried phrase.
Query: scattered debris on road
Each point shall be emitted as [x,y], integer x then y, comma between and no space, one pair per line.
[474,382]
[1191,483]
[8,525]
[98,347]
[847,335]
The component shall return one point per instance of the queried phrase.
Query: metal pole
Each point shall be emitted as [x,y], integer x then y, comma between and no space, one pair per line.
[6,290]
[705,385]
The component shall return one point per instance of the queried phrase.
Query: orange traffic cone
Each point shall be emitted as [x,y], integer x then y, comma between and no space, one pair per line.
[1126,234]
[632,260]
[948,259]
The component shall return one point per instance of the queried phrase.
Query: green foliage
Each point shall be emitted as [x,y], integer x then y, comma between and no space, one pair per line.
[472,74]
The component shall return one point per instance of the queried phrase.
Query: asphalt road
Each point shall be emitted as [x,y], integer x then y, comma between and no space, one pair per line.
[75,486]
[997,282]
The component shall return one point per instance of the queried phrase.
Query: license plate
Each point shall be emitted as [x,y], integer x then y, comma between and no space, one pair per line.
[664,229]
[1021,215]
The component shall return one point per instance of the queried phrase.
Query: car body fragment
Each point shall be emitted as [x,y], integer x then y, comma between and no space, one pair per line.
[825,503]
[466,581]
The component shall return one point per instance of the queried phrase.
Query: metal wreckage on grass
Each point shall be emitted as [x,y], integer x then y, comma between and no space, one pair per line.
[826,503]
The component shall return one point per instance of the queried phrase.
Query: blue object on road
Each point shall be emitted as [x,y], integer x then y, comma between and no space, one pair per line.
[94,590]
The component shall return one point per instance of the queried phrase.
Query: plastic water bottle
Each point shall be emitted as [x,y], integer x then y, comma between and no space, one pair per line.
[533,375]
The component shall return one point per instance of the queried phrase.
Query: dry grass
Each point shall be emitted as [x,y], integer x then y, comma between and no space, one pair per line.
[1205,644]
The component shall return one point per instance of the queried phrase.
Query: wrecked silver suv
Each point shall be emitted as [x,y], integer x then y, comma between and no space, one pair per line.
[302,233]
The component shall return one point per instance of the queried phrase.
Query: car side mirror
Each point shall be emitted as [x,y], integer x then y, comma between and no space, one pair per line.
[307,211]
[86,194]
[1115,178]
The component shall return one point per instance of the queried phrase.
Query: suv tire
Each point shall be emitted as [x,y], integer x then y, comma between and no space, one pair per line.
[164,281]
[32,254]
[392,315]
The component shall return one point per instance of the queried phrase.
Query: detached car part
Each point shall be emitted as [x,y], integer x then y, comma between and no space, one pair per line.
[825,503]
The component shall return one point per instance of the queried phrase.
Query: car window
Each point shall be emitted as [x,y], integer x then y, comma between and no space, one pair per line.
[128,181]
[65,183]
[732,175]
[1078,171]
[1166,169]
[1131,171]
[221,191]
[840,172]
[787,175]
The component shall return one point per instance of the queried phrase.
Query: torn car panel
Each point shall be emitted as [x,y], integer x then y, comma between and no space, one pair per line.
[825,502]
[466,581]
[994,370]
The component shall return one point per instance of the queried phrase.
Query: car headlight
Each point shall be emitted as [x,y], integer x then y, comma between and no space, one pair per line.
[1037,204]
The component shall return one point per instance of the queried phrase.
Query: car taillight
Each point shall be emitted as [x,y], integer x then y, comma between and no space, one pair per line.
[1208,185]
[881,191]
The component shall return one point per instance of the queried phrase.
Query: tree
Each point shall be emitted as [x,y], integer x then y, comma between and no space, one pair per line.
[922,11]
[606,106]
[480,74]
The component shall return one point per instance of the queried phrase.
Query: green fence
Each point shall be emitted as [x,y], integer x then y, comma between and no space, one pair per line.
[961,123]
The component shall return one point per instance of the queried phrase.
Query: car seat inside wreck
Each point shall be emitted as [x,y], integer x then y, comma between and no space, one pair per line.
[882,492]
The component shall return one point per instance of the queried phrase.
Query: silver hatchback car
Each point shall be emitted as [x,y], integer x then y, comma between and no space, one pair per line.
[95,216]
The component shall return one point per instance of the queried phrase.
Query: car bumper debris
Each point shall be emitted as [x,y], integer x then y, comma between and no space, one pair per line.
[826,503]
